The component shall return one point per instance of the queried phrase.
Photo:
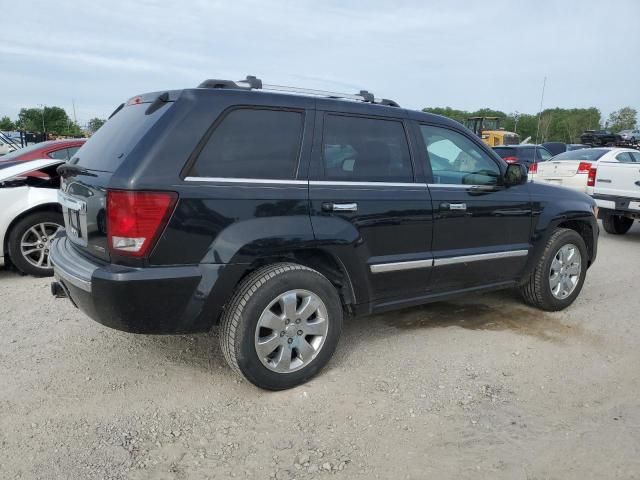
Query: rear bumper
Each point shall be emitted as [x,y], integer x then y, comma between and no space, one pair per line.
[157,300]
[617,205]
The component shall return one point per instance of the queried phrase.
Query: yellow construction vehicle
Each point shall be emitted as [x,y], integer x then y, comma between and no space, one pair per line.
[488,129]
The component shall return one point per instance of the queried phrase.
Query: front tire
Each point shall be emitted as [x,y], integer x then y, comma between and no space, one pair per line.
[29,242]
[281,326]
[557,279]
[616,224]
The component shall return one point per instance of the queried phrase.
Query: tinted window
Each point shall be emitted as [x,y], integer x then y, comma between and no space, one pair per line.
[251,143]
[72,151]
[505,151]
[584,154]
[455,159]
[365,150]
[635,156]
[61,154]
[110,145]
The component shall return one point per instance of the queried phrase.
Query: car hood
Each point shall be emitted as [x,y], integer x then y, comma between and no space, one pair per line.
[11,169]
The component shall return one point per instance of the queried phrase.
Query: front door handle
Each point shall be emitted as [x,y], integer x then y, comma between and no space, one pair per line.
[453,206]
[340,207]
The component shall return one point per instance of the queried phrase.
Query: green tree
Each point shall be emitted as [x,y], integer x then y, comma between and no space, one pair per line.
[95,123]
[624,119]
[6,124]
[48,119]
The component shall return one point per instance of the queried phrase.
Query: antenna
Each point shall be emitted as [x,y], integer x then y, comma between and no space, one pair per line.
[544,84]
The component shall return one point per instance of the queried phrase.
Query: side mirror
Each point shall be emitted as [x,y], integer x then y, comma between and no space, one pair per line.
[516,174]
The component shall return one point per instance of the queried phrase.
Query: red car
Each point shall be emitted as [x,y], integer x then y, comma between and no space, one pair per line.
[59,149]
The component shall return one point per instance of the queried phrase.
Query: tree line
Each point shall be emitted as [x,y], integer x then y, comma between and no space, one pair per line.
[555,125]
[51,120]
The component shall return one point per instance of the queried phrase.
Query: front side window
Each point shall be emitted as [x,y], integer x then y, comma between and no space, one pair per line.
[365,150]
[253,143]
[454,159]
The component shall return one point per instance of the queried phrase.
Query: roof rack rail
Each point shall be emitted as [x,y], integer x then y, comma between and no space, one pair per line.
[254,83]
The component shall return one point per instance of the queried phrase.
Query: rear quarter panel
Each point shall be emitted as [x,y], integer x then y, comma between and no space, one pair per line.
[17,200]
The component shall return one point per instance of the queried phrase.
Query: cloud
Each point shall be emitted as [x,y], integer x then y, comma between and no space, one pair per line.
[457,53]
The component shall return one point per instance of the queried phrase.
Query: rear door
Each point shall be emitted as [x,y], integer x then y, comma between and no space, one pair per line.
[481,229]
[365,194]
[620,176]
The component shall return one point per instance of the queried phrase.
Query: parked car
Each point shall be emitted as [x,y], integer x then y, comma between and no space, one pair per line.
[600,138]
[614,183]
[57,149]
[30,215]
[630,136]
[559,147]
[526,154]
[275,215]
[571,169]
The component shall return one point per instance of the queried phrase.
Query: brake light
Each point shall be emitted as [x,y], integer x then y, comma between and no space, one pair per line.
[584,167]
[510,159]
[533,167]
[136,219]
[134,100]
[591,179]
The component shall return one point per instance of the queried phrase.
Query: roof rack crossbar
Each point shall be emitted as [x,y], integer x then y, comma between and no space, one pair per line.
[253,83]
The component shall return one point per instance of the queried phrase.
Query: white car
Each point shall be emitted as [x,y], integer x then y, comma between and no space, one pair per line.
[30,214]
[615,186]
[571,169]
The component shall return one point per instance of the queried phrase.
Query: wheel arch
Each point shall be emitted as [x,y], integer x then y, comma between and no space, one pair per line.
[585,230]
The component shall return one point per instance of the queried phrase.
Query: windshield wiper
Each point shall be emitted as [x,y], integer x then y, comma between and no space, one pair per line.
[67,170]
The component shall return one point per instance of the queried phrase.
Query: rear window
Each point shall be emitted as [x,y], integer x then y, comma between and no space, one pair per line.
[110,145]
[253,143]
[504,152]
[523,154]
[584,154]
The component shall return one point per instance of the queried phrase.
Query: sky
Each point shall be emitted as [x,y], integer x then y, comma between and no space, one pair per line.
[463,54]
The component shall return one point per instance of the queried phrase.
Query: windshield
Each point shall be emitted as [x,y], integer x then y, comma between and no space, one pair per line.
[584,154]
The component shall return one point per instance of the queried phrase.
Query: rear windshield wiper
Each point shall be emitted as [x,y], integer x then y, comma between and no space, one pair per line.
[67,170]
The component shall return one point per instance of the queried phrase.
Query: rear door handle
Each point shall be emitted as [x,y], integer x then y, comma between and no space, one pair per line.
[453,206]
[340,207]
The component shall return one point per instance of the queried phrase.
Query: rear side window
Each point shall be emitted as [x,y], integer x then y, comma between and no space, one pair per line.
[625,157]
[365,150]
[253,143]
[61,154]
[542,154]
[110,145]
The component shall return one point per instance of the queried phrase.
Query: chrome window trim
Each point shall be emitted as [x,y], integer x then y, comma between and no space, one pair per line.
[479,257]
[366,184]
[269,181]
[438,262]
[398,266]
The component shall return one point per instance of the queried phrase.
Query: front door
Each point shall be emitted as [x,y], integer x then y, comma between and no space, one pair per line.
[481,232]
[363,192]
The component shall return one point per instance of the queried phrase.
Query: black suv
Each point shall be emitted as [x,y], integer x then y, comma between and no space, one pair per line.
[278,214]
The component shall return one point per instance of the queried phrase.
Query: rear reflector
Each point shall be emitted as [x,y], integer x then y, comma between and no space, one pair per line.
[510,159]
[136,219]
[533,167]
[584,167]
[591,179]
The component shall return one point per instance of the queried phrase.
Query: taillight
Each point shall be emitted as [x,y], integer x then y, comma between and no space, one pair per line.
[584,167]
[510,159]
[591,179]
[136,219]
[533,167]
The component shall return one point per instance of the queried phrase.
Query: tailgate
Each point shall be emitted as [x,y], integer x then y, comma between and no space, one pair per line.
[83,194]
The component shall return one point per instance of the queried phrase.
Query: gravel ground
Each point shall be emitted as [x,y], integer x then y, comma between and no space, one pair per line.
[481,387]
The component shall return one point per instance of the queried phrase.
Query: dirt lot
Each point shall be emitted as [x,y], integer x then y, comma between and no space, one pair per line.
[482,387]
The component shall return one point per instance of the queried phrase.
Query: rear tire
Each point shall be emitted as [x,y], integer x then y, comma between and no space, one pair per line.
[539,289]
[616,224]
[274,310]
[29,242]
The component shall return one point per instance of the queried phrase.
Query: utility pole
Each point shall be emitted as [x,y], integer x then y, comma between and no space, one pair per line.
[44,135]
